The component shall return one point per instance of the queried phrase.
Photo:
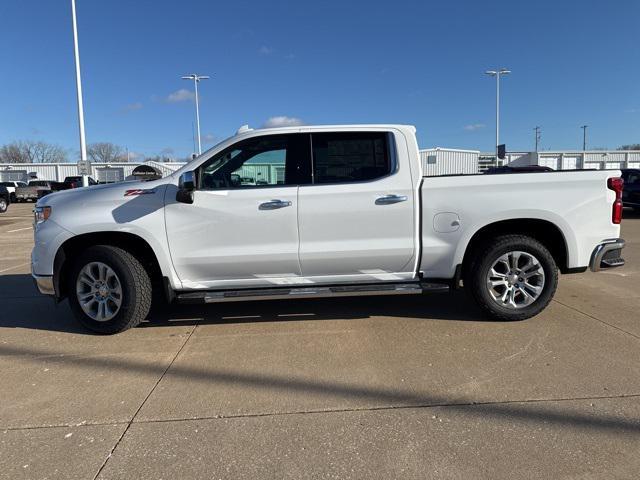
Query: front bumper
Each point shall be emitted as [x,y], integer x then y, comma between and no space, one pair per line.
[608,254]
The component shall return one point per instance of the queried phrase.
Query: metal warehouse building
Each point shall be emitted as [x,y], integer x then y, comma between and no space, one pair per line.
[611,159]
[102,172]
[448,161]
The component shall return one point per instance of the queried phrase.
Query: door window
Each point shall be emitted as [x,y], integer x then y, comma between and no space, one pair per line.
[344,157]
[269,160]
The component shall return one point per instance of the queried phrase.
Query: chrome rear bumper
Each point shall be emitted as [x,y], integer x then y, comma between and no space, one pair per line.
[44,284]
[607,255]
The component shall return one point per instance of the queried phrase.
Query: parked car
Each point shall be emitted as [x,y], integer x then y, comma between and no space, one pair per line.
[5,198]
[11,187]
[346,211]
[631,191]
[36,189]
[76,181]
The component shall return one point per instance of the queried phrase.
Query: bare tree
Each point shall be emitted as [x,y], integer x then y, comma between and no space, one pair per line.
[32,151]
[11,153]
[106,152]
[633,146]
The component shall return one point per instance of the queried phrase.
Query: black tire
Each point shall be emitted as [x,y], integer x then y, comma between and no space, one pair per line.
[475,281]
[3,205]
[135,283]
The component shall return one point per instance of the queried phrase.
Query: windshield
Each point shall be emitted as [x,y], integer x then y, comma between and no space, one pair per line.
[192,164]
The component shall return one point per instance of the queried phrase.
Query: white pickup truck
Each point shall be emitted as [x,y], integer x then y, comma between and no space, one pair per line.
[321,211]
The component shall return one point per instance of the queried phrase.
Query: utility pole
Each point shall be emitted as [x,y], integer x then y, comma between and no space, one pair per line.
[196,79]
[584,137]
[83,143]
[497,74]
[538,136]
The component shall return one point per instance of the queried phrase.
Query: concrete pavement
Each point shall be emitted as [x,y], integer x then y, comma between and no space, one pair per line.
[387,387]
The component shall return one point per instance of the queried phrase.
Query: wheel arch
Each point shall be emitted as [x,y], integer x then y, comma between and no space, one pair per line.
[130,242]
[544,231]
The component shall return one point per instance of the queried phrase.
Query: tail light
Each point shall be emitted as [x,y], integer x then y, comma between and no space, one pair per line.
[616,184]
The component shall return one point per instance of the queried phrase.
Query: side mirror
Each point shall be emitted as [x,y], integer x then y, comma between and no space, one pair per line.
[186,187]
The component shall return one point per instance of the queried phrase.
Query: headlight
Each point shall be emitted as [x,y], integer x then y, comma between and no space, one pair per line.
[41,214]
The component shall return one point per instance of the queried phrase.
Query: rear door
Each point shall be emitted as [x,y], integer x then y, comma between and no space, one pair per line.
[356,220]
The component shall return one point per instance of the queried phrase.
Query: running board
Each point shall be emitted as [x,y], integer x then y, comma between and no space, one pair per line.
[217,296]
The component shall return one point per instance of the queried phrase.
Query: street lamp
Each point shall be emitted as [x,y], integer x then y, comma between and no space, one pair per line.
[83,144]
[584,137]
[196,79]
[497,74]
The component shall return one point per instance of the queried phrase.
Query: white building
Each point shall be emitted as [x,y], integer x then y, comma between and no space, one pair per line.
[571,160]
[449,161]
[102,172]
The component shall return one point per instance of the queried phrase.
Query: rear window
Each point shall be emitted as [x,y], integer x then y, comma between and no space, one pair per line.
[344,157]
[631,178]
[38,184]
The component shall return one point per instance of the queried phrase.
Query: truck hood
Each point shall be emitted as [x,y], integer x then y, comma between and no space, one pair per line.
[99,192]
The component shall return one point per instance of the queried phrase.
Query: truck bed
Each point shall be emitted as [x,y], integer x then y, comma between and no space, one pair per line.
[455,207]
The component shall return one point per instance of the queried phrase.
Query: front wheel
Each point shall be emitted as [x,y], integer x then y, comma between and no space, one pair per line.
[109,290]
[3,205]
[513,277]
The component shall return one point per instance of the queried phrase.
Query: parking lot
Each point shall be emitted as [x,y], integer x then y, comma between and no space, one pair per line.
[384,387]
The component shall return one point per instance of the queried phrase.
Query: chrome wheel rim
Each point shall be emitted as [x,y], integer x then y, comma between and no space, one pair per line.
[99,291]
[515,280]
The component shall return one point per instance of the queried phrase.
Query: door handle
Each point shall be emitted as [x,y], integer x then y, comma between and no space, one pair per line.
[274,205]
[391,199]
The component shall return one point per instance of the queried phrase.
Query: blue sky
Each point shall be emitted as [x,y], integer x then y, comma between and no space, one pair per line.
[418,62]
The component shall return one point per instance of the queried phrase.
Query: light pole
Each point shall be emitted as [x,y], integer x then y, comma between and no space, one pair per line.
[497,74]
[196,79]
[584,137]
[83,144]
[537,131]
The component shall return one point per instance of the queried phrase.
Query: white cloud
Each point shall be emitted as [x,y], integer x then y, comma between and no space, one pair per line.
[133,106]
[282,121]
[182,95]
[208,138]
[266,50]
[474,126]
[290,56]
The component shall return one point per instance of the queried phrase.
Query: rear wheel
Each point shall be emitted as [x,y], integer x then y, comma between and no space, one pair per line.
[3,205]
[109,290]
[513,277]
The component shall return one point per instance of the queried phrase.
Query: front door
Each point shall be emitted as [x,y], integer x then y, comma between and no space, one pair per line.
[242,228]
[356,220]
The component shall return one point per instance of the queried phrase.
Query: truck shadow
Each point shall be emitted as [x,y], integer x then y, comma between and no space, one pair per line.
[454,306]
[23,307]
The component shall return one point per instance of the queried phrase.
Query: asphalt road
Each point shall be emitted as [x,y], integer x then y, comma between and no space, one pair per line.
[386,387]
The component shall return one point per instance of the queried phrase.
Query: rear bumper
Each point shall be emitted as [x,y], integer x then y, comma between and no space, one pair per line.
[608,254]
[44,284]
